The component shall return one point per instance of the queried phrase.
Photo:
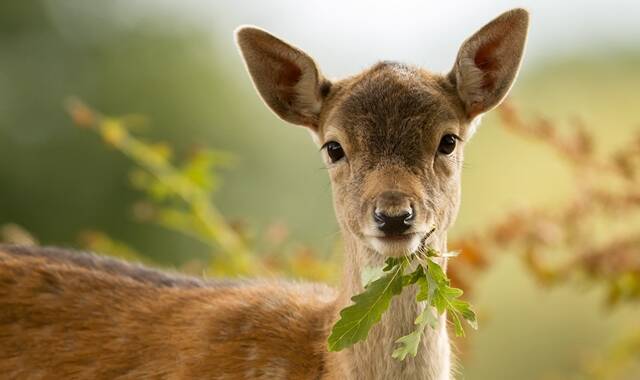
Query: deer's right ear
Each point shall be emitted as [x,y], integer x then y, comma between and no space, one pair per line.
[287,79]
[488,62]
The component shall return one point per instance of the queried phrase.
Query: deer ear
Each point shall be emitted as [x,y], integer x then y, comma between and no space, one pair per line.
[287,79]
[488,62]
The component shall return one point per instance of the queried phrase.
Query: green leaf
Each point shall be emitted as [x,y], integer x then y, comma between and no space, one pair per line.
[413,277]
[457,325]
[370,274]
[437,290]
[409,343]
[393,262]
[367,308]
[427,318]
[430,252]
[464,308]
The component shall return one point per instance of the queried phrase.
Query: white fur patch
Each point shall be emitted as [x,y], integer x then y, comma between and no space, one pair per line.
[473,126]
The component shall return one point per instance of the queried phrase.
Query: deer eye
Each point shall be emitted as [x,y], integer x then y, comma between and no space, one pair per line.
[447,144]
[334,150]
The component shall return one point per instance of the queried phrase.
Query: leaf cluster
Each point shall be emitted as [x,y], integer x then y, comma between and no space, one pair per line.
[435,295]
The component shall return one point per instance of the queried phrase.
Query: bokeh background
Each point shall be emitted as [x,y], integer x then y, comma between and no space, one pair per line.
[175,63]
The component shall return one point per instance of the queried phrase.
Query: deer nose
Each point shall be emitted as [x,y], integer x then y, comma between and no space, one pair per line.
[393,214]
[393,225]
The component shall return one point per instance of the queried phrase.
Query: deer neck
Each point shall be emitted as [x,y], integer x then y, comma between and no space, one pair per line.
[371,359]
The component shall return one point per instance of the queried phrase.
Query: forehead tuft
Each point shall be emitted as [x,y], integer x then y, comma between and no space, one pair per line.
[396,91]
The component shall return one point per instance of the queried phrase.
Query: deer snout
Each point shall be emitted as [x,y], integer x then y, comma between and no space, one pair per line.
[394,214]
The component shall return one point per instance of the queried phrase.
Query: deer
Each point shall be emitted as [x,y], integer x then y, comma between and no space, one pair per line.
[392,138]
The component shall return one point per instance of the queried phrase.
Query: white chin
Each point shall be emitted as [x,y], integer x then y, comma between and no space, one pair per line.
[396,247]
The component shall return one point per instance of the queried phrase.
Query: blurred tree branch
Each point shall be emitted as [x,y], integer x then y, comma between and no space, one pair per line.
[179,197]
[196,216]
[605,188]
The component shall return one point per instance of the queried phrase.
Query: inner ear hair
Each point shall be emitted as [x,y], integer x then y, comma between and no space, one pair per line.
[287,79]
[488,62]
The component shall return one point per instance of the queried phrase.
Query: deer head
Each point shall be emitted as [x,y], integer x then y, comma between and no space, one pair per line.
[392,136]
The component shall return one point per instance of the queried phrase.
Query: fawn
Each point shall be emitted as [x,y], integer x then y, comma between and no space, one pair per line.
[392,138]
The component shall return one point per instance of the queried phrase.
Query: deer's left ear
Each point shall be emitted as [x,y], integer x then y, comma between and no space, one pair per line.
[488,62]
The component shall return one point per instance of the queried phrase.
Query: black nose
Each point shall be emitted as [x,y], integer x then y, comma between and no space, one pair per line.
[393,225]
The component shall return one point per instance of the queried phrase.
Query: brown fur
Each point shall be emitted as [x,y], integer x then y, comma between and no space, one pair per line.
[68,315]
[72,315]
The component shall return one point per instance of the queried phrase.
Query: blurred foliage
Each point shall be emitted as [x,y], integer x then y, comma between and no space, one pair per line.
[591,227]
[620,361]
[586,237]
[97,241]
[12,233]
[178,197]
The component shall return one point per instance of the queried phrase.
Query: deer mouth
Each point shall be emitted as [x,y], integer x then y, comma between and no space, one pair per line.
[397,238]
[399,244]
[396,245]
